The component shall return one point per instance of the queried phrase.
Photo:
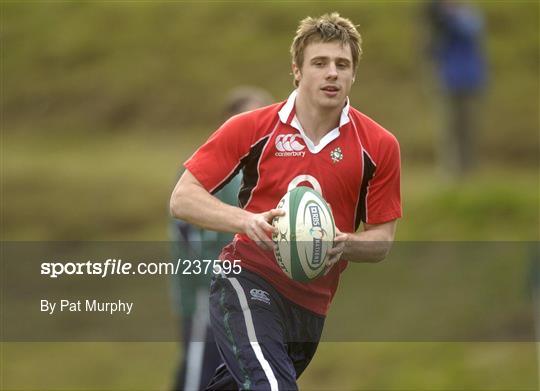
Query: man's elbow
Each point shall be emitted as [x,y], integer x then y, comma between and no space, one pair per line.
[381,255]
[381,251]
[368,251]
[177,205]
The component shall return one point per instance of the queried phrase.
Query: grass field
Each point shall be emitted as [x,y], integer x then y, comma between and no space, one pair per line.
[337,366]
[71,69]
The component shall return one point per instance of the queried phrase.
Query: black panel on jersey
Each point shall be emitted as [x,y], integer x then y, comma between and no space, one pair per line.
[367,175]
[228,179]
[251,176]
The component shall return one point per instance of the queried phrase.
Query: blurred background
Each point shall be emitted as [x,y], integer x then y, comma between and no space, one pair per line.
[103,101]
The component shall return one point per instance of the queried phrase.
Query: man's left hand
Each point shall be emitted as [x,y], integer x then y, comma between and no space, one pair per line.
[335,253]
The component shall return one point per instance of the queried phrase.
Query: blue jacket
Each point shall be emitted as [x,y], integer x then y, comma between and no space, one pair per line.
[457,46]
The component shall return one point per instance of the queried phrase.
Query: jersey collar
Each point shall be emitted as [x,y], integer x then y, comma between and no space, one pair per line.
[287,115]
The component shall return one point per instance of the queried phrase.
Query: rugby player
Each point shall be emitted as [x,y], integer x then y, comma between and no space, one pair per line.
[266,325]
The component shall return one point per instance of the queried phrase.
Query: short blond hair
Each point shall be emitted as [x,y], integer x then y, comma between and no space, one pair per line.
[325,28]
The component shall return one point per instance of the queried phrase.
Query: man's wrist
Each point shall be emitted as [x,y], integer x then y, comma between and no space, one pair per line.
[243,219]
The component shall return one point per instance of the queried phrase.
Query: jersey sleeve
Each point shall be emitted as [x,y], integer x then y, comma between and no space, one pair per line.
[218,160]
[384,191]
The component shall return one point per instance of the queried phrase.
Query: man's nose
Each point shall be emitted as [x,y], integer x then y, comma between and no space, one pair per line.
[332,71]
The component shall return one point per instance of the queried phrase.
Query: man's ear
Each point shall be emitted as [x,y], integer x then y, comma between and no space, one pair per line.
[296,72]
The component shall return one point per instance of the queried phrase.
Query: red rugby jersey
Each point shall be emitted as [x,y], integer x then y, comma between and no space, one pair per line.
[356,167]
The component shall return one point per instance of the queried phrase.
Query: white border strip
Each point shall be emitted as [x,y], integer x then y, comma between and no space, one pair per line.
[251,334]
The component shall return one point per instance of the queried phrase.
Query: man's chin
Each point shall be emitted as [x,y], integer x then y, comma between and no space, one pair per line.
[331,103]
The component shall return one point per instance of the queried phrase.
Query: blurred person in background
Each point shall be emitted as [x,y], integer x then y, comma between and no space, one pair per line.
[456,49]
[200,356]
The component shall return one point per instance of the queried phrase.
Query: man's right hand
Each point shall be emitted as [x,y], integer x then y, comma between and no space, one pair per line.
[258,226]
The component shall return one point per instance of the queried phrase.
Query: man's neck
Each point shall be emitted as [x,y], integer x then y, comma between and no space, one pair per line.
[316,121]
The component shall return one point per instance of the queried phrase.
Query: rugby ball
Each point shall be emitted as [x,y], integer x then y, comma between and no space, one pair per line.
[306,233]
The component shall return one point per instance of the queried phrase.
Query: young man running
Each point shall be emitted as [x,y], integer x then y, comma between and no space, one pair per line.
[267,326]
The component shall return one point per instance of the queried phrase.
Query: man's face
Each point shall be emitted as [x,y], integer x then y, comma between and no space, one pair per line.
[327,74]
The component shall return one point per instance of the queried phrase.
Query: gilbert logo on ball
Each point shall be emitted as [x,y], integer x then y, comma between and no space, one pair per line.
[306,233]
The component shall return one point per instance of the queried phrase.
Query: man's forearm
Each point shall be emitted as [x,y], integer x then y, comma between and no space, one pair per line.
[371,245]
[192,203]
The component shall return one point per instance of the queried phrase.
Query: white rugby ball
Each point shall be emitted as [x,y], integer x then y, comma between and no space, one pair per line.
[306,233]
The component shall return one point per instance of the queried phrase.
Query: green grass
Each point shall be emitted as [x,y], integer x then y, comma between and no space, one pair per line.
[88,365]
[336,366]
[496,203]
[422,366]
[169,67]
[83,188]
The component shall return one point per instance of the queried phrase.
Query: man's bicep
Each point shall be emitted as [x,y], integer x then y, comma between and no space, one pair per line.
[188,179]
[186,186]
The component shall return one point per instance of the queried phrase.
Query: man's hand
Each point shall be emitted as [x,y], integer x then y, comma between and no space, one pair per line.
[335,253]
[258,226]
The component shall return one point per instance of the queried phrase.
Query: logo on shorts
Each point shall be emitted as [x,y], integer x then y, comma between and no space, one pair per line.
[288,146]
[259,294]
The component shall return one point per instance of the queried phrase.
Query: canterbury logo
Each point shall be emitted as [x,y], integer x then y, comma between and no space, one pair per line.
[260,295]
[288,143]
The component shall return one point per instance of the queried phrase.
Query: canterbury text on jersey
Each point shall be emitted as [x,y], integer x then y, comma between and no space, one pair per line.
[356,167]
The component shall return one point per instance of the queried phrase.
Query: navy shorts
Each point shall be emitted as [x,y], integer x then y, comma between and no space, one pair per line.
[265,340]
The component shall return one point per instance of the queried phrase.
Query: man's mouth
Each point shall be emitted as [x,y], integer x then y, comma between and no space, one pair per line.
[330,88]
[330,91]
